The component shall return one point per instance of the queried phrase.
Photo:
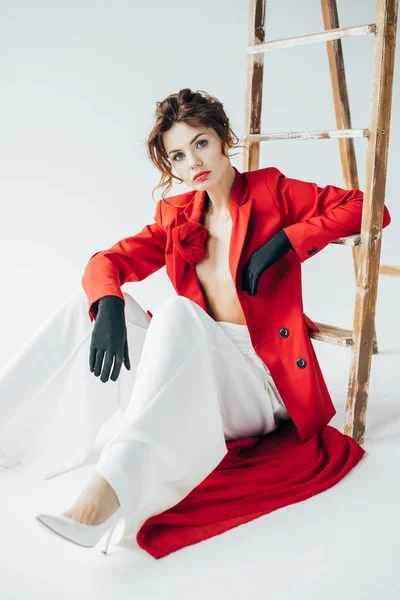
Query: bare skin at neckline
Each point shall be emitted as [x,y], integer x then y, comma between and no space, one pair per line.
[214,274]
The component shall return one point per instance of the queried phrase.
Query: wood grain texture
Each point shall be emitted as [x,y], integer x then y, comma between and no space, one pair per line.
[369,249]
[312,38]
[366,246]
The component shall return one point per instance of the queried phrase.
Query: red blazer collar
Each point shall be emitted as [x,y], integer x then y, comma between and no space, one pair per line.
[184,275]
[194,209]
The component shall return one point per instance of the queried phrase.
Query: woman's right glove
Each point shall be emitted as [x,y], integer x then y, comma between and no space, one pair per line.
[109,338]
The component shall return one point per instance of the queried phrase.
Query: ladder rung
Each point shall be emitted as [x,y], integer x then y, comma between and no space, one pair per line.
[332,335]
[389,270]
[323,36]
[348,240]
[307,135]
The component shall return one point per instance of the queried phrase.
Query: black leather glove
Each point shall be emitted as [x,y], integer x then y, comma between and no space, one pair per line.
[109,338]
[262,259]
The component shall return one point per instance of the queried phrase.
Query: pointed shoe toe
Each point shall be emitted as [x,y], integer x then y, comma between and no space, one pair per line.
[79,533]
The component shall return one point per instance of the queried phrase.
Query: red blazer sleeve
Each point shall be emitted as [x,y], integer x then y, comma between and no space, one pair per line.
[316,215]
[131,259]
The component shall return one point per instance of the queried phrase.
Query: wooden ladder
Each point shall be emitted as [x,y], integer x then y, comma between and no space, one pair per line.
[366,247]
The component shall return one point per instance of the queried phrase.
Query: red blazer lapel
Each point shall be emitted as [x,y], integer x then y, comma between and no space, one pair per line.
[184,275]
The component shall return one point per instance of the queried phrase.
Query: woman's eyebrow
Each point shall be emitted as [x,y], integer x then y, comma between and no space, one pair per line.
[193,140]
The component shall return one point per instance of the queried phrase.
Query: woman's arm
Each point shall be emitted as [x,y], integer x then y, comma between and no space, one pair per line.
[316,215]
[131,259]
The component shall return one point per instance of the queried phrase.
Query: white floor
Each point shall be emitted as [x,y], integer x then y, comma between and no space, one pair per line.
[343,543]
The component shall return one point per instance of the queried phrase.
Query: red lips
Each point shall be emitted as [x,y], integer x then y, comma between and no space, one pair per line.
[200,174]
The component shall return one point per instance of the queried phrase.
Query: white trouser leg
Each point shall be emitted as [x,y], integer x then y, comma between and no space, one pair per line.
[194,388]
[51,406]
[189,388]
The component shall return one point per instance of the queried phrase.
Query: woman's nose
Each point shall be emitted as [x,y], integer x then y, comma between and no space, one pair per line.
[194,161]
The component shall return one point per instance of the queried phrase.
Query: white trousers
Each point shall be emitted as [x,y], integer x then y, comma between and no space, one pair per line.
[194,383]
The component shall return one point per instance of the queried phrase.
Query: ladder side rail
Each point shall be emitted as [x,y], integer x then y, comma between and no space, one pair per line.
[340,95]
[343,120]
[254,84]
[372,219]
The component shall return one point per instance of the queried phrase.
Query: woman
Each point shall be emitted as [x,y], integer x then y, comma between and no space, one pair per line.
[226,360]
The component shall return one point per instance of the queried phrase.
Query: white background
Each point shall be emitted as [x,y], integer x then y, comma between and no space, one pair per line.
[79,83]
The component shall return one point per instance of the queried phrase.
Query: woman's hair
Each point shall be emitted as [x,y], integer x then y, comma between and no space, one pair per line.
[195,109]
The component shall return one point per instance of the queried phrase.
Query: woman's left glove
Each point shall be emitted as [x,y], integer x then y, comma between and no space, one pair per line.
[262,259]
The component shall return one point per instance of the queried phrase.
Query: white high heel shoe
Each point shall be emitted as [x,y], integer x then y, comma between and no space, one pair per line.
[79,533]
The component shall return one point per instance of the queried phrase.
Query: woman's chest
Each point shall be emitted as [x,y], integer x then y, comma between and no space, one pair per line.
[214,274]
[213,269]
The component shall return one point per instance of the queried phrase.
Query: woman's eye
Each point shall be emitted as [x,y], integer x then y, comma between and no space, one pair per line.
[199,142]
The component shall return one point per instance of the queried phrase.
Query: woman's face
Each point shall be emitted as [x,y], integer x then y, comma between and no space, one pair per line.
[194,149]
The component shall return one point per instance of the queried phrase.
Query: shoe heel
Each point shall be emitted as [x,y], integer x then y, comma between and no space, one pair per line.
[108,538]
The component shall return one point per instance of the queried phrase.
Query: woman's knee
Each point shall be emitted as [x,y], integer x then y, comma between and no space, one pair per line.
[179,311]
[176,304]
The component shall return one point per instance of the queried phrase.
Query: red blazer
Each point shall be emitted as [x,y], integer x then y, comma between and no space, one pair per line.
[262,203]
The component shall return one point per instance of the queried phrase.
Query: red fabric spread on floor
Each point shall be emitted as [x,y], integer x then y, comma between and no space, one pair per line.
[257,476]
